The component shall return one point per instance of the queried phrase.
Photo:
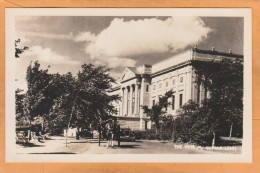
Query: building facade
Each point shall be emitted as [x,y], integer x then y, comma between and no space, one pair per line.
[144,85]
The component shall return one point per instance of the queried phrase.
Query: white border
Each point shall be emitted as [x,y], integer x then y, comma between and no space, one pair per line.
[11,155]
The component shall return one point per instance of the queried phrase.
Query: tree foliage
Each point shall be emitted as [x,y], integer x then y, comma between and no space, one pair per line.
[84,99]
[63,101]
[20,118]
[156,111]
[37,100]
[18,50]
[224,82]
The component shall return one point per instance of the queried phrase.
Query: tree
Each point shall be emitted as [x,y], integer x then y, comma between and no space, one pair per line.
[18,50]
[37,102]
[85,100]
[224,82]
[64,101]
[19,96]
[61,89]
[185,123]
[156,111]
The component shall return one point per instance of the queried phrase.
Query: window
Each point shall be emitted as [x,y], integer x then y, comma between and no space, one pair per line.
[181,79]
[154,87]
[153,102]
[166,84]
[173,102]
[180,100]
[147,88]
[160,85]
[173,82]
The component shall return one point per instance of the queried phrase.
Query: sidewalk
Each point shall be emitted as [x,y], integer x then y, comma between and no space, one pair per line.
[57,145]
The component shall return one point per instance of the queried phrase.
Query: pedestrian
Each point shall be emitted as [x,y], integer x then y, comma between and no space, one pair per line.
[109,134]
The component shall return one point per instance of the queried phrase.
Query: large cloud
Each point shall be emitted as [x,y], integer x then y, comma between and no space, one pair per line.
[130,38]
[46,55]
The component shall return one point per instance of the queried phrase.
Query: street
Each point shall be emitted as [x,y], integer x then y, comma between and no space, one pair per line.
[57,145]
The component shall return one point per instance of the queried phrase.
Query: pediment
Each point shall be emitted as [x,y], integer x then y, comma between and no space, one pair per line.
[128,74]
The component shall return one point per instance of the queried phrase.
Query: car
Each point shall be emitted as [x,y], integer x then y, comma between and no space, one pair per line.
[127,135]
[86,133]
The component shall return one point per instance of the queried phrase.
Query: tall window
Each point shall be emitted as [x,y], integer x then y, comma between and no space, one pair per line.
[173,82]
[153,102]
[147,88]
[181,79]
[173,102]
[166,84]
[181,99]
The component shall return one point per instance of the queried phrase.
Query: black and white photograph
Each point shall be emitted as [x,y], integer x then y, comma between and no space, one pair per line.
[128,85]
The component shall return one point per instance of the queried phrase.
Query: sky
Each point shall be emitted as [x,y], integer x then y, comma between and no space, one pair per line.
[64,43]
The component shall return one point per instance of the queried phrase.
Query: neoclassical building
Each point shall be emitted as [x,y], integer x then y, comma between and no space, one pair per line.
[144,85]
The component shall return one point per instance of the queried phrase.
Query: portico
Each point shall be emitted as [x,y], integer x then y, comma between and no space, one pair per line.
[130,100]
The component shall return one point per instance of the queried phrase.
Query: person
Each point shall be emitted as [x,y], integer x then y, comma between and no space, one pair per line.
[109,134]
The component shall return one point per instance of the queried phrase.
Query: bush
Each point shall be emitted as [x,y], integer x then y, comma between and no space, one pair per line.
[140,134]
[151,135]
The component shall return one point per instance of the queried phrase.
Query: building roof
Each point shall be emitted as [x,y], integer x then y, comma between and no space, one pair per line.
[214,52]
[134,70]
[179,59]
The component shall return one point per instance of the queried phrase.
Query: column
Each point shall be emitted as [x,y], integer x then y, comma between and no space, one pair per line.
[122,102]
[127,100]
[130,100]
[136,102]
[141,103]
[142,96]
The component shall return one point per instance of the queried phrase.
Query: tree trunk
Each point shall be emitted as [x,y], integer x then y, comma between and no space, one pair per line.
[69,124]
[66,136]
[99,135]
[230,131]
[198,93]
[29,131]
[214,139]
[77,134]
[174,133]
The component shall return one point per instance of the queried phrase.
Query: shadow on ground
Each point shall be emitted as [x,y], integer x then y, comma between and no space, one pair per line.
[30,145]
[54,153]
[224,141]
[81,142]
[128,146]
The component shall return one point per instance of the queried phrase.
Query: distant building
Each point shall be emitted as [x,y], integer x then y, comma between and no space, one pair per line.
[144,85]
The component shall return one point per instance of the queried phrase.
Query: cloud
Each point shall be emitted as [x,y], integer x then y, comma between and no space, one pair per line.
[129,38]
[85,36]
[116,61]
[46,55]
[123,39]
[47,35]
